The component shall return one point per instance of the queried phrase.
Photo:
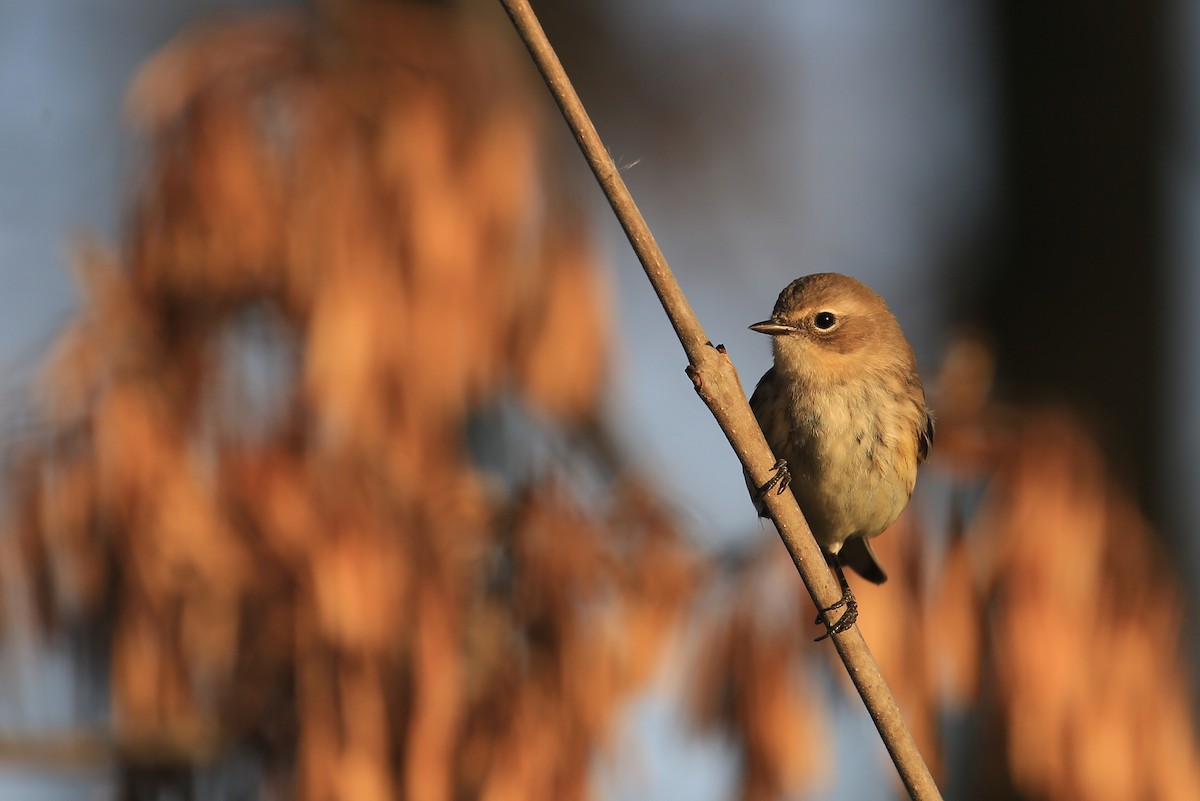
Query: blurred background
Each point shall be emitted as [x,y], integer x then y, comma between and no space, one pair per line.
[348,454]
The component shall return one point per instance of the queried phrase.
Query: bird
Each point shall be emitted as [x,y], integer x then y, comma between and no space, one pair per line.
[844,412]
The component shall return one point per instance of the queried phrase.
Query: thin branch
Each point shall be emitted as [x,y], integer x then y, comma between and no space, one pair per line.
[717,384]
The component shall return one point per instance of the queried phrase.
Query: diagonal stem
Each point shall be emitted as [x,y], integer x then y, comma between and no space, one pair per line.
[717,384]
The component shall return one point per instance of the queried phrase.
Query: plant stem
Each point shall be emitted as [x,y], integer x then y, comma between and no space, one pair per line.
[717,383]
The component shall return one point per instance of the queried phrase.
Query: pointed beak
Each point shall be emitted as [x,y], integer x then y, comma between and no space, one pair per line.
[772,328]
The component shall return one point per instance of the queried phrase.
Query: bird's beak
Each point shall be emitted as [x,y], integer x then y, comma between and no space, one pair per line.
[772,328]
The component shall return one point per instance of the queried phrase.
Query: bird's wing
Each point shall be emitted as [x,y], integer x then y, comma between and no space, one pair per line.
[925,438]
[757,399]
[761,391]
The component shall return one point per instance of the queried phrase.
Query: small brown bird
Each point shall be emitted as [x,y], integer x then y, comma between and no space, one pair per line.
[843,410]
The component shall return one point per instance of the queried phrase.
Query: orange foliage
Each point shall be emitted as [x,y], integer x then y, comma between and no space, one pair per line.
[255,470]
[356,205]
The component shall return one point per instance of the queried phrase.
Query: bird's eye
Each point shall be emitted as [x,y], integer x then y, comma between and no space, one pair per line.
[825,320]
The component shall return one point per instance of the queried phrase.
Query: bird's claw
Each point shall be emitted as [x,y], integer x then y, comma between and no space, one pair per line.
[782,477]
[844,622]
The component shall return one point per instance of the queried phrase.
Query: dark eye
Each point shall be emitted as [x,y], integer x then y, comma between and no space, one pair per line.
[825,320]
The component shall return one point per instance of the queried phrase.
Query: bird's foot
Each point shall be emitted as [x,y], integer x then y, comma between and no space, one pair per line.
[782,478]
[845,621]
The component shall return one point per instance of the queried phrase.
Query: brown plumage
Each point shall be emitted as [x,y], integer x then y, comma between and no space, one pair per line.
[844,406]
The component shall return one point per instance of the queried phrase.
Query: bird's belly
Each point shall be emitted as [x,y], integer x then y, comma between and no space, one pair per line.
[853,480]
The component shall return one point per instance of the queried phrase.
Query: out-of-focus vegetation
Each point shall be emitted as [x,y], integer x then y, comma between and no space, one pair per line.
[321,461]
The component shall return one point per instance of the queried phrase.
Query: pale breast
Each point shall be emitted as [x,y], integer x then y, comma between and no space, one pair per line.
[852,454]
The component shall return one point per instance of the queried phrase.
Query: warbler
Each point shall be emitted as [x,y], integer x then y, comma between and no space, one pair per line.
[843,410]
